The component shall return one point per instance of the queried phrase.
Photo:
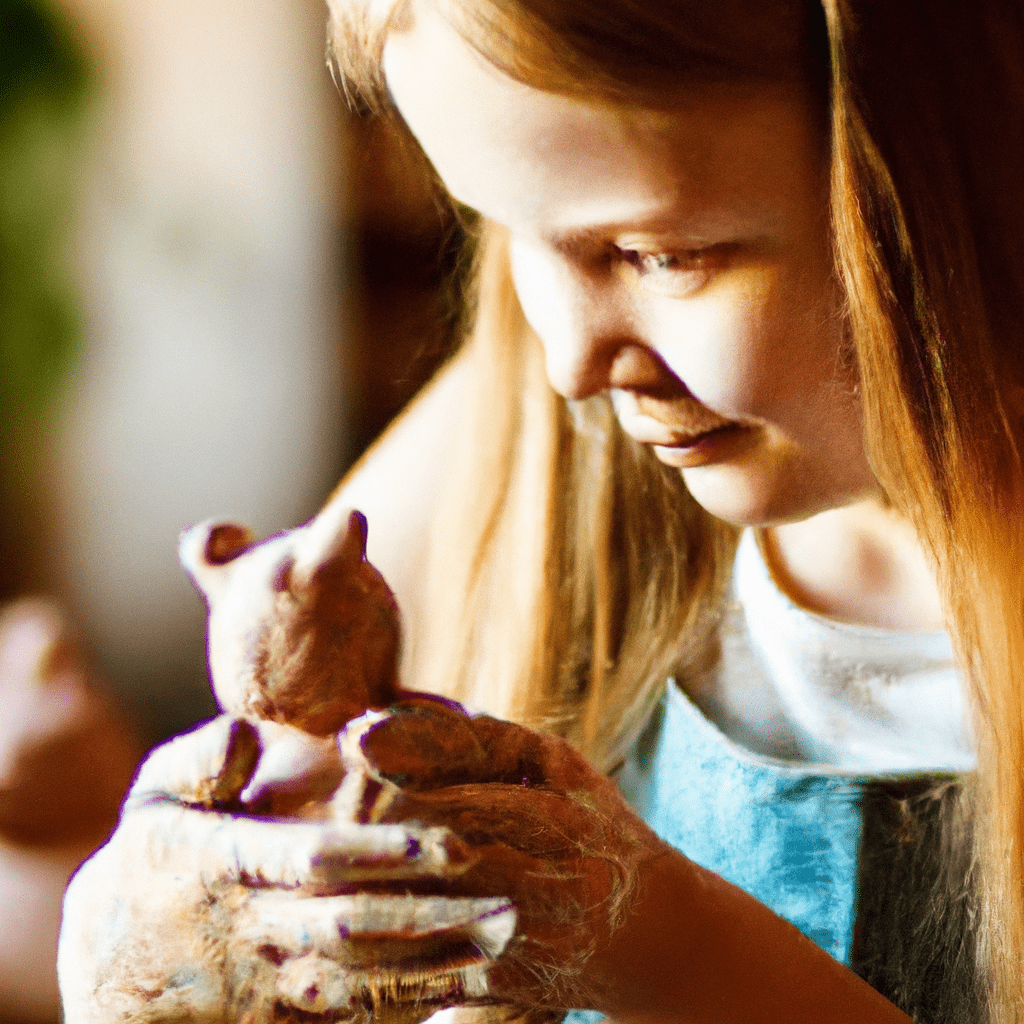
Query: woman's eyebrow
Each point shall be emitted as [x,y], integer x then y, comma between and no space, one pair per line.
[576,242]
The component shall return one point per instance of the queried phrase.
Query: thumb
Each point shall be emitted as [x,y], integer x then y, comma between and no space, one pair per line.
[210,765]
[169,819]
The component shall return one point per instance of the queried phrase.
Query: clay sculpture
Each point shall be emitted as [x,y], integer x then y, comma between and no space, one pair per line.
[303,630]
[303,643]
[334,848]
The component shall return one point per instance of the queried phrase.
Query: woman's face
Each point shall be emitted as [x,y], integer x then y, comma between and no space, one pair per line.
[679,260]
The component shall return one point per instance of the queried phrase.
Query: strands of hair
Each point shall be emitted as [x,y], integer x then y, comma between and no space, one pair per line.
[929,247]
[614,574]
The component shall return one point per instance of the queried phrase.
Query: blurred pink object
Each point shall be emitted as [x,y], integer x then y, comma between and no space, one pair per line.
[66,758]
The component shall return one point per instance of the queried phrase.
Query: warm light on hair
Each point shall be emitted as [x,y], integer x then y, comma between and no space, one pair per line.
[928,134]
[572,573]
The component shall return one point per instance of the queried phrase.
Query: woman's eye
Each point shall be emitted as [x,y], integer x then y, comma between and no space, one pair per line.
[671,273]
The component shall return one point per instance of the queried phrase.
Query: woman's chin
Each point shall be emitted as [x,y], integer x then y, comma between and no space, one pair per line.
[742,497]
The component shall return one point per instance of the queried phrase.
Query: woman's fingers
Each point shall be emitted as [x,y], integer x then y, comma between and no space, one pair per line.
[537,821]
[563,914]
[561,844]
[505,844]
[553,859]
[214,765]
[346,927]
[224,848]
[211,764]
[163,945]
[379,956]
[365,931]
[426,745]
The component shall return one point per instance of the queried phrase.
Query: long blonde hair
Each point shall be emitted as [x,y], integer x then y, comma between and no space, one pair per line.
[571,573]
[928,161]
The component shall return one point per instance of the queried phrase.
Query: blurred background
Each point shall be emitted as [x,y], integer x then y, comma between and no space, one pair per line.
[217,285]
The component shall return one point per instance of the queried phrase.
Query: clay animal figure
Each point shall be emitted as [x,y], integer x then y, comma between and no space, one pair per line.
[303,630]
[334,848]
[303,642]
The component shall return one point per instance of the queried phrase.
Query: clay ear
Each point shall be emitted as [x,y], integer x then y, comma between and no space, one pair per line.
[204,550]
[337,538]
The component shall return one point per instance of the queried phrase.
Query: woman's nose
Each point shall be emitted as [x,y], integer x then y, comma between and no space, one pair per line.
[591,337]
[576,367]
[585,364]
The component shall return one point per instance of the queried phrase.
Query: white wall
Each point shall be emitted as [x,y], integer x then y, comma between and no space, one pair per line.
[211,377]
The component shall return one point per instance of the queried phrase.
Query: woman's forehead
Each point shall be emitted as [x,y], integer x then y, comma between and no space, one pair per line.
[529,158]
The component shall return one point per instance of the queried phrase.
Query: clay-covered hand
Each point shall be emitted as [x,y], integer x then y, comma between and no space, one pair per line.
[198,911]
[253,878]
[546,830]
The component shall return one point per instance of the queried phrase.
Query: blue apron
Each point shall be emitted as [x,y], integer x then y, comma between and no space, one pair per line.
[789,834]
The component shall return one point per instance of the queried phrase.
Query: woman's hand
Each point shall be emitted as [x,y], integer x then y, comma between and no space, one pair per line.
[546,830]
[193,911]
[461,860]
[609,916]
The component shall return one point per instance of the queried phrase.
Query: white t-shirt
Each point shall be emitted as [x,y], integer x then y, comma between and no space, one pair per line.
[799,686]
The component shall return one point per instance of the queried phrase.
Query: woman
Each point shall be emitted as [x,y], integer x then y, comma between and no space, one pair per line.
[769,253]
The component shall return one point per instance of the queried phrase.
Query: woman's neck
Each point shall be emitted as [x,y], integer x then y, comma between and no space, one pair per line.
[862,564]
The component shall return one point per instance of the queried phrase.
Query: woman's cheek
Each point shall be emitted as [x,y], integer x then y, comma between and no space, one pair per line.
[721,343]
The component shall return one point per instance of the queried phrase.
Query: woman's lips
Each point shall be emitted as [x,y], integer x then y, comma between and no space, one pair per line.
[706,448]
[682,435]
